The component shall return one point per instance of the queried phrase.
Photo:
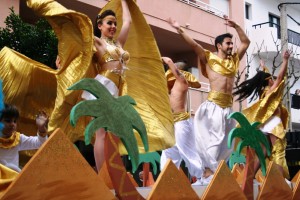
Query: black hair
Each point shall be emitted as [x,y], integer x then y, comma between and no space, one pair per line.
[219,39]
[254,86]
[9,111]
[99,19]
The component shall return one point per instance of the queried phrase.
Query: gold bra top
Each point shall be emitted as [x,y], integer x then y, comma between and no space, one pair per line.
[114,53]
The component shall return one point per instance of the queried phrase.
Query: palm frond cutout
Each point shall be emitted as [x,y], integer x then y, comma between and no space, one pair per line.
[151,157]
[116,115]
[250,136]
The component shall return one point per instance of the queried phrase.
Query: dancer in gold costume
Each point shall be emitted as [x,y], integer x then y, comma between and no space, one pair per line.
[268,110]
[210,122]
[27,82]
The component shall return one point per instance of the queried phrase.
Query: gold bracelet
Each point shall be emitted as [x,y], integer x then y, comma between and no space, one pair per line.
[179,30]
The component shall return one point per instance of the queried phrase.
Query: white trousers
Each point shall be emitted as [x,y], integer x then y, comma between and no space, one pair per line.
[211,132]
[110,86]
[184,149]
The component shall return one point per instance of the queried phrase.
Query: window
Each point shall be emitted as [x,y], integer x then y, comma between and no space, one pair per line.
[274,20]
[248,11]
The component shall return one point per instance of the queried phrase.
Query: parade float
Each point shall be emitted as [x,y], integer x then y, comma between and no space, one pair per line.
[58,170]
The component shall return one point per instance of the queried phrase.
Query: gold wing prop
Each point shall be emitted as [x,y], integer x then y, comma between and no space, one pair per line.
[146,80]
[75,35]
[33,86]
[24,84]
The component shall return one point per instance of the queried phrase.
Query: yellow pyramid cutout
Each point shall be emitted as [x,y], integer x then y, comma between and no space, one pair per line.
[236,170]
[296,190]
[274,187]
[57,171]
[172,184]
[223,185]
[296,177]
[259,176]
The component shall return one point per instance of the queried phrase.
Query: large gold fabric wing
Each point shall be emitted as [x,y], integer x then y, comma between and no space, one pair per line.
[75,35]
[33,86]
[24,84]
[146,80]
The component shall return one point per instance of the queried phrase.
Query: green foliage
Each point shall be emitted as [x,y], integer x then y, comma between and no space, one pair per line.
[151,157]
[116,115]
[37,42]
[250,136]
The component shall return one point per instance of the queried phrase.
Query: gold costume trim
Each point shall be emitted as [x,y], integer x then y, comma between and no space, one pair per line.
[278,155]
[181,116]
[279,131]
[12,141]
[227,67]
[265,108]
[191,79]
[7,176]
[224,100]
[118,80]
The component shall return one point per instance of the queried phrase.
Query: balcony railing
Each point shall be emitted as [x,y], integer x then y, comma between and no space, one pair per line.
[203,6]
[293,37]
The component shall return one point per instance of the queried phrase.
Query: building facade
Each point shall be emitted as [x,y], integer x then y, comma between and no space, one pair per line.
[203,20]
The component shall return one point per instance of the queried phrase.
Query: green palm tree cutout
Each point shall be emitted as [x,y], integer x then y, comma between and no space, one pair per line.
[116,115]
[236,157]
[151,157]
[250,136]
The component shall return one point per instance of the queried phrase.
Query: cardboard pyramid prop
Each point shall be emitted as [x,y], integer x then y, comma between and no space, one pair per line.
[223,185]
[172,184]
[274,187]
[296,189]
[296,177]
[57,171]
[237,170]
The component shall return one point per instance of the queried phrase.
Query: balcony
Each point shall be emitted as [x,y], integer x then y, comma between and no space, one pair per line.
[206,7]
[293,37]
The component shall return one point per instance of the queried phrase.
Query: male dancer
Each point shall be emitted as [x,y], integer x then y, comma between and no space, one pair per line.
[210,122]
[185,146]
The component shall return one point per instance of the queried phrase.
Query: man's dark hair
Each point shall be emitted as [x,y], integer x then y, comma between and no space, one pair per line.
[254,86]
[9,111]
[219,39]
[99,19]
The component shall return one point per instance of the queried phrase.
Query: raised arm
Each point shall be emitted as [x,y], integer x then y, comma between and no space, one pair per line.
[174,69]
[282,71]
[245,42]
[126,18]
[196,47]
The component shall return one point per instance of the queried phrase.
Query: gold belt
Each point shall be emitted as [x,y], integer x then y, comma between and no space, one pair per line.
[181,116]
[223,100]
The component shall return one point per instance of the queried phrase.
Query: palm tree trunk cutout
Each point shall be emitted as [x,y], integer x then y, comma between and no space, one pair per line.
[123,186]
[252,138]
[118,116]
[147,159]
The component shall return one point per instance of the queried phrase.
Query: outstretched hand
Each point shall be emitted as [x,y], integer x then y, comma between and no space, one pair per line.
[42,120]
[286,55]
[173,23]
[230,22]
